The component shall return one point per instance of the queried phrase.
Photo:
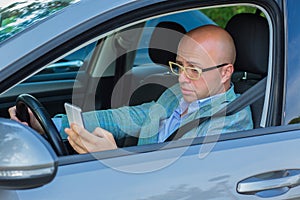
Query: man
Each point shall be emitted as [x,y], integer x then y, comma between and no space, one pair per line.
[204,65]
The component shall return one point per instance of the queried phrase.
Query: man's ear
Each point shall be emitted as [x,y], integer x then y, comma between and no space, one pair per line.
[226,72]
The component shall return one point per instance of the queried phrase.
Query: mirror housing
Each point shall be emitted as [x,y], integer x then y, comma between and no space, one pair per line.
[26,158]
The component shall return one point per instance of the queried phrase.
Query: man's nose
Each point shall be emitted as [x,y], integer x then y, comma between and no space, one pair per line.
[183,77]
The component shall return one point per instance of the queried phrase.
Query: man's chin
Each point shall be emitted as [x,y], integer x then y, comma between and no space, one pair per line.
[189,99]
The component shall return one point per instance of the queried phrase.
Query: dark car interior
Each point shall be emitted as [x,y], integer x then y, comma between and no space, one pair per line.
[248,30]
[251,36]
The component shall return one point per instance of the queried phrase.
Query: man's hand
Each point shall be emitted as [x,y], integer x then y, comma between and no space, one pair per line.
[83,141]
[33,121]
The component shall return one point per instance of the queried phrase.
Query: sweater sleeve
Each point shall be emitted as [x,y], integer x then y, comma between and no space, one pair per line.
[128,120]
[120,121]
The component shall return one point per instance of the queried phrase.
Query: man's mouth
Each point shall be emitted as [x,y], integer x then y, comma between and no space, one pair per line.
[186,91]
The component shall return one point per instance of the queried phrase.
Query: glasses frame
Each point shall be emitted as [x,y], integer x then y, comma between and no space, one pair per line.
[199,70]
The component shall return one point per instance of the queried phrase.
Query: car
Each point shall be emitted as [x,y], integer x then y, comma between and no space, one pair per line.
[125,64]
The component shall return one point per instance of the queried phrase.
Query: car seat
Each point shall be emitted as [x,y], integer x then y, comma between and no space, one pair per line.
[250,33]
[162,49]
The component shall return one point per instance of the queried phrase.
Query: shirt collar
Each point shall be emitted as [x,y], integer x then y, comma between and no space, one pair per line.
[195,105]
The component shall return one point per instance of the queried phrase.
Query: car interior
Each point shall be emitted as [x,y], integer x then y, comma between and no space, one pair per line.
[251,36]
[247,29]
[107,79]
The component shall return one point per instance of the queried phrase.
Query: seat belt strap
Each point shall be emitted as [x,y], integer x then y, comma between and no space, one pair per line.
[247,98]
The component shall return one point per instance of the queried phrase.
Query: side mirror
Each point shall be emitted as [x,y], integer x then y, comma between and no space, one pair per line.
[26,158]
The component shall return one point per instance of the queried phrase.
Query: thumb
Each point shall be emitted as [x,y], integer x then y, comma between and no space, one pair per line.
[100,132]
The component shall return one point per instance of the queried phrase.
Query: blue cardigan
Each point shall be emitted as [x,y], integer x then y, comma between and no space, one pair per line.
[144,120]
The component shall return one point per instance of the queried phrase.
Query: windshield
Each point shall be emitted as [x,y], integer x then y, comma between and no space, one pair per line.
[17,15]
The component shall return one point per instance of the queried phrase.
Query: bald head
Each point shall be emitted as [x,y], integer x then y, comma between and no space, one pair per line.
[215,41]
[203,48]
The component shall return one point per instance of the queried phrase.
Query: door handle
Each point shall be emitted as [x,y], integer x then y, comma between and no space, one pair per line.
[269,181]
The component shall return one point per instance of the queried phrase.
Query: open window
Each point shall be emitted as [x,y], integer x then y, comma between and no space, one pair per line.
[142,73]
[126,67]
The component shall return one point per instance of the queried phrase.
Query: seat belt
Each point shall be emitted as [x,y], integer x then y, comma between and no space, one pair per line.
[247,98]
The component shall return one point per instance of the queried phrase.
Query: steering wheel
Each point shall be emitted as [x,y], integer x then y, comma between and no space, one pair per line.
[25,100]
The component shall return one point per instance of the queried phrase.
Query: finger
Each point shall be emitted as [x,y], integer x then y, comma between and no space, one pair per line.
[34,123]
[77,148]
[105,135]
[91,142]
[75,141]
[80,137]
[100,132]
[25,123]
[88,141]
[31,115]
[12,113]
[13,116]
[84,135]
[73,136]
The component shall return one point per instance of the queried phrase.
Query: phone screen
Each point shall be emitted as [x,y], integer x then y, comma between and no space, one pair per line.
[74,114]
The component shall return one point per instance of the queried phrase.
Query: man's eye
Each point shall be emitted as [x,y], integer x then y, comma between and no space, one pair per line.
[176,68]
[194,70]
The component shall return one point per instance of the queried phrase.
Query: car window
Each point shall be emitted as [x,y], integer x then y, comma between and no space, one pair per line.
[117,69]
[139,80]
[18,15]
[67,67]
[197,18]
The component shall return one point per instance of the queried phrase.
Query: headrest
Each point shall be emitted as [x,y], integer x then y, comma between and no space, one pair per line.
[250,33]
[164,42]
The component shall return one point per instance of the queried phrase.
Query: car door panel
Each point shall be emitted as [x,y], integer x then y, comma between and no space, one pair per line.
[192,172]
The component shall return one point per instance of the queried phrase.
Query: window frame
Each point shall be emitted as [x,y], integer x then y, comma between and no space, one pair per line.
[272,87]
[93,32]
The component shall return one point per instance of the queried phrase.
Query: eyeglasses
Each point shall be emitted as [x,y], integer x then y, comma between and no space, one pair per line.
[192,73]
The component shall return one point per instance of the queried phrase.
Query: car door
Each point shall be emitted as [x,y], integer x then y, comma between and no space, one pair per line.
[206,171]
[251,164]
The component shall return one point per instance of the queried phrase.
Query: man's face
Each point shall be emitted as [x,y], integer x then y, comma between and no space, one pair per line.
[210,83]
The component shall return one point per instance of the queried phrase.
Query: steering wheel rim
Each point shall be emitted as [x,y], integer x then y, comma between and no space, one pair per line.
[45,121]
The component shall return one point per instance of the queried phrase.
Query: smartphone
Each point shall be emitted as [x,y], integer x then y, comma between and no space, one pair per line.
[74,114]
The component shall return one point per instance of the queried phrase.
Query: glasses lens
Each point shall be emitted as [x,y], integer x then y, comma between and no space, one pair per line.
[193,73]
[174,68]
